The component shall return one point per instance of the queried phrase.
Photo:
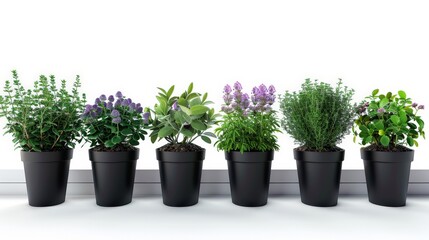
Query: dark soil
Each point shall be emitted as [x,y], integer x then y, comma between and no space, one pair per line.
[397,148]
[307,149]
[180,148]
[117,148]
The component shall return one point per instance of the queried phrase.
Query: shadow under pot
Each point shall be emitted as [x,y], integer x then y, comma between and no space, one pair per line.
[387,175]
[180,174]
[46,175]
[249,177]
[113,174]
[319,175]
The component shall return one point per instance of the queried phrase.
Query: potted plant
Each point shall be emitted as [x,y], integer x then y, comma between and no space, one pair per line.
[181,120]
[388,123]
[113,127]
[318,117]
[247,135]
[44,123]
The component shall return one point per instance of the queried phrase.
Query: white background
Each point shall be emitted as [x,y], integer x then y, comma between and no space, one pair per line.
[135,46]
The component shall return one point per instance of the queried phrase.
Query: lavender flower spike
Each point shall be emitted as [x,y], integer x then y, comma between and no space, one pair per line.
[237,86]
[422,107]
[115,113]
[111,98]
[116,120]
[271,89]
[119,94]
[103,97]
[227,89]
[414,105]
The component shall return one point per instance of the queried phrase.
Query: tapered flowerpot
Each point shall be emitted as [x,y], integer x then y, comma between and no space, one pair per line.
[180,174]
[113,174]
[319,175]
[249,177]
[387,175]
[46,175]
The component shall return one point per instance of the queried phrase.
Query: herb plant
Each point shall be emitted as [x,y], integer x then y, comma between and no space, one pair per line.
[44,118]
[114,124]
[249,123]
[184,118]
[388,120]
[318,116]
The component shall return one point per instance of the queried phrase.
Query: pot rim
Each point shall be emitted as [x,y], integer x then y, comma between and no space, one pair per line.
[40,157]
[386,157]
[113,157]
[319,157]
[250,156]
[180,157]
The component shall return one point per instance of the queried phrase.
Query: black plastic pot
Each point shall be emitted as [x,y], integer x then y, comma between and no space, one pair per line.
[387,175]
[180,174]
[249,177]
[319,175]
[46,175]
[113,174]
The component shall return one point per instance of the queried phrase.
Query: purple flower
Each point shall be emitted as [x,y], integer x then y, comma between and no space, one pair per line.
[234,105]
[237,86]
[255,90]
[421,107]
[175,106]
[115,113]
[93,114]
[103,97]
[118,103]
[237,96]
[94,107]
[132,106]
[146,117]
[116,120]
[139,109]
[97,101]
[226,109]
[111,98]
[227,89]
[125,102]
[245,101]
[88,108]
[381,110]
[414,105]
[246,113]
[271,89]
[227,98]
[119,94]
[267,108]
[109,105]
[262,89]
[98,111]
[138,105]
[129,100]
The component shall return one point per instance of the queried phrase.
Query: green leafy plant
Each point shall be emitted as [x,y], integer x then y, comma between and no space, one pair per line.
[114,124]
[318,116]
[249,123]
[388,120]
[44,118]
[184,118]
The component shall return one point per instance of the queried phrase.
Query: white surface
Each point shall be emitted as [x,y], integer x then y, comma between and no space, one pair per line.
[137,45]
[213,218]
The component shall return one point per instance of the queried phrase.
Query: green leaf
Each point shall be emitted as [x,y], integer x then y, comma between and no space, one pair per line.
[395,119]
[403,116]
[416,143]
[379,125]
[134,142]
[195,101]
[206,139]
[383,102]
[153,138]
[109,144]
[185,110]
[375,92]
[368,139]
[182,102]
[410,141]
[187,133]
[170,91]
[116,139]
[196,124]
[163,91]
[126,132]
[199,109]
[385,140]
[210,134]
[204,97]
[165,131]
[184,117]
[402,94]
[190,88]
[381,132]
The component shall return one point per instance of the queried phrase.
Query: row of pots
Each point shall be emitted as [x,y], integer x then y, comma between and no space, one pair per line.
[319,174]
